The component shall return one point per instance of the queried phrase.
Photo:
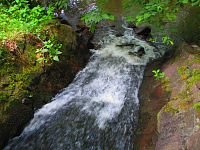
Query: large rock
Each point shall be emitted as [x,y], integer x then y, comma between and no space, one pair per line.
[168,120]
[27,85]
[178,121]
[153,97]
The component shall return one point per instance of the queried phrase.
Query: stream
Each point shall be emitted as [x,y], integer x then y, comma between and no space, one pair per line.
[99,109]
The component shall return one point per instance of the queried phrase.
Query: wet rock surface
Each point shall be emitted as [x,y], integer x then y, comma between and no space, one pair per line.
[168,120]
[178,121]
[152,97]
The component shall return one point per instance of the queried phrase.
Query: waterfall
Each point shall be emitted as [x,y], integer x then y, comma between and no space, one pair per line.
[99,109]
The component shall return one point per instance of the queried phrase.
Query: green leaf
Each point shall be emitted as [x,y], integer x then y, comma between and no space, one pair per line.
[58,52]
[56,58]
[44,50]
[197,106]
[40,60]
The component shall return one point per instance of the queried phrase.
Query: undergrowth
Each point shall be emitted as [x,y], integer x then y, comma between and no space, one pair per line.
[93,17]
[18,18]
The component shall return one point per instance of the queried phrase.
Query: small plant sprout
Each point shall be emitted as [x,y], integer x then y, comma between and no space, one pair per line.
[154,40]
[49,52]
[197,106]
[167,40]
[158,74]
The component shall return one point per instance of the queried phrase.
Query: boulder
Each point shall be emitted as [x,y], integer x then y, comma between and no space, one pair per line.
[168,120]
[143,31]
[178,121]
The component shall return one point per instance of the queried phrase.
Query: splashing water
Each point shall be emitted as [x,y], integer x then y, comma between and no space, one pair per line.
[99,109]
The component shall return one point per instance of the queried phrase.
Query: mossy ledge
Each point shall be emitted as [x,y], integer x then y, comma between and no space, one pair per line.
[26,85]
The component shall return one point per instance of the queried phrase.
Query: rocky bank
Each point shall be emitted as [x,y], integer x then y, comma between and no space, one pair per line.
[168,118]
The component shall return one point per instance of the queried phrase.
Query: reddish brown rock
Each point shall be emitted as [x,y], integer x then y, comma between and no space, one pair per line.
[178,120]
[168,120]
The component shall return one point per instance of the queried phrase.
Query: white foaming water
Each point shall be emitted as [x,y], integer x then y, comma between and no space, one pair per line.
[112,95]
[98,97]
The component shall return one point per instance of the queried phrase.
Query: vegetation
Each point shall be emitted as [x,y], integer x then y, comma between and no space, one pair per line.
[197,105]
[49,52]
[191,76]
[157,11]
[18,18]
[158,74]
[93,17]
[21,24]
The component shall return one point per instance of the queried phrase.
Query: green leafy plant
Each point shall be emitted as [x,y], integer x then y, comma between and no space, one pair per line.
[49,52]
[93,17]
[158,11]
[167,40]
[152,40]
[197,106]
[158,74]
[62,4]
[18,18]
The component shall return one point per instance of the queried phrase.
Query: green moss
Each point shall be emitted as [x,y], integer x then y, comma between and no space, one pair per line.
[191,78]
[16,74]
[197,105]
[170,108]
[184,72]
[195,77]
[165,84]
[185,94]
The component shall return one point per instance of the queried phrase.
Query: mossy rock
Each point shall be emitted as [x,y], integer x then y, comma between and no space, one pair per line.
[27,85]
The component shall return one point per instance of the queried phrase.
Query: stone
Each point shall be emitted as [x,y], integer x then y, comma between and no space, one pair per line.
[133,26]
[176,126]
[143,31]
[41,83]
[63,18]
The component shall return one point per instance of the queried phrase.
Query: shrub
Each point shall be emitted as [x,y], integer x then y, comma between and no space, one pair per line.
[19,18]
[93,17]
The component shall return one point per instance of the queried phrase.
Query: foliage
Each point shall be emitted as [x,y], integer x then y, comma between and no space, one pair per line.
[156,13]
[62,4]
[195,77]
[167,40]
[49,52]
[18,18]
[159,11]
[156,9]
[158,74]
[192,76]
[197,106]
[93,17]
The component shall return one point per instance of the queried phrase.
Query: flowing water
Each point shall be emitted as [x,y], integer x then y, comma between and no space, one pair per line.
[99,109]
